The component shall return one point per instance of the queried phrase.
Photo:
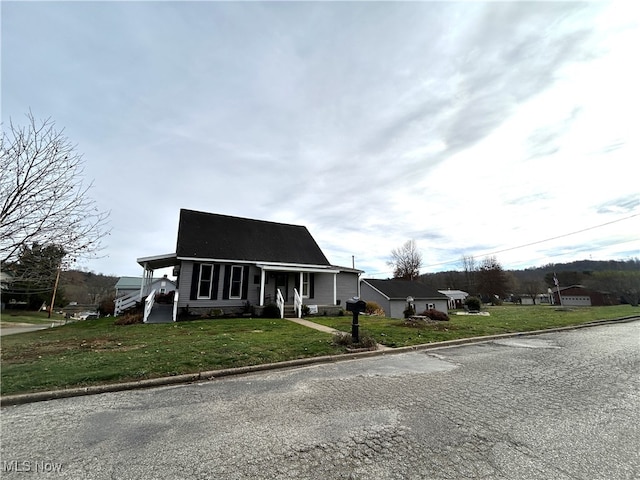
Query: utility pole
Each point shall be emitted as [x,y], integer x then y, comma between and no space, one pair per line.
[55,289]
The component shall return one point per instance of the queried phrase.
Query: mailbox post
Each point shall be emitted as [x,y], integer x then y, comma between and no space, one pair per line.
[355,306]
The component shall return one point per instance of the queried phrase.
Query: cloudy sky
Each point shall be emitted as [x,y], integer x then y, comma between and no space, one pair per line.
[473,128]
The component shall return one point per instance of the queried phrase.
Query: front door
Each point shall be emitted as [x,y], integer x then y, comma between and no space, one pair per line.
[282,284]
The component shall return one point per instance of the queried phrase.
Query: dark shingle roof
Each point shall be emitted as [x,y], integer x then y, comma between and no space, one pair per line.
[397,288]
[213,236]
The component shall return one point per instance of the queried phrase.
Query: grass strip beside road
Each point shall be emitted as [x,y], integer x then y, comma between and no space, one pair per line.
[95,352]
[502,319]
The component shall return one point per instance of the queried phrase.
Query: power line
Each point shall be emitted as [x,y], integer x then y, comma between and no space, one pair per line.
[542,241]
[527,244]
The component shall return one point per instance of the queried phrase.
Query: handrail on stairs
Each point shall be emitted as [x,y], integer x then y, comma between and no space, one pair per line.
[175,306]
[280,303]
[148,305]
[297,303]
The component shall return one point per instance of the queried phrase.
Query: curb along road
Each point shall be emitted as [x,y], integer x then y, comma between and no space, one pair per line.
[210,375]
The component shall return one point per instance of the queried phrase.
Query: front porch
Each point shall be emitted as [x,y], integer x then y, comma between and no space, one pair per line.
[216,288]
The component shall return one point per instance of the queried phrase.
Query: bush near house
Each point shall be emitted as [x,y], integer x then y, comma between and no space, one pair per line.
[129,319]
[473,303]
[271,310]
[372,308]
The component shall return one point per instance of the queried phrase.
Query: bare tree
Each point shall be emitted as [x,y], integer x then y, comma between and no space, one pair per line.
[624,284]
[43,199]
[532,288]
[406,261]
[470,267]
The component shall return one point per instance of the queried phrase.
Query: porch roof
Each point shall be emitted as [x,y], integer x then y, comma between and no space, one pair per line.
[297,268]
[158,261]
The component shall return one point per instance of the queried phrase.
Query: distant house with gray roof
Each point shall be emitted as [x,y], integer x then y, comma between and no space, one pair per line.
[394,296]
[456,297]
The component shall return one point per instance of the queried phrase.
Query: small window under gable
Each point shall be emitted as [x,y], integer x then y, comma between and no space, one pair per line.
[205,281]
[235,288]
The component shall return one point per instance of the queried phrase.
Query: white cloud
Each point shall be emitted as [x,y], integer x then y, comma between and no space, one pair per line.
[471,127]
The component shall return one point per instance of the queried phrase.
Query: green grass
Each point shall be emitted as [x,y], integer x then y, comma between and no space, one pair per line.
[97,351]
[503,319]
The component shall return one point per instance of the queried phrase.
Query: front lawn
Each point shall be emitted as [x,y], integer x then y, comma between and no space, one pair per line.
[97,351]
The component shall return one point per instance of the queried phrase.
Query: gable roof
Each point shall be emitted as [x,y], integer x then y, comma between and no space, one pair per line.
[396,288]
[454,294]
[222,237]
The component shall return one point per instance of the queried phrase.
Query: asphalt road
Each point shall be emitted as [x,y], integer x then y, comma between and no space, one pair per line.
[554,406]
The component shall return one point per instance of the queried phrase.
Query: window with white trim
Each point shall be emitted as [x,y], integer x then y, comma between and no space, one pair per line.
[205,281]
[235,288]
[305,284]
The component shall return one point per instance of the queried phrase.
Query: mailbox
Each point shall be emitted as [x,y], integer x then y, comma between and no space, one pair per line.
[355,305]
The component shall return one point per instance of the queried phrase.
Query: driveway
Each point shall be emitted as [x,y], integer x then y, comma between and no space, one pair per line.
[8,328]
[562,406]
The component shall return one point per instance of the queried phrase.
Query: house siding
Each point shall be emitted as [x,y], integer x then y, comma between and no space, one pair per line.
[322,290]
[218,291]
[395,308]
[369,294]
[346,286]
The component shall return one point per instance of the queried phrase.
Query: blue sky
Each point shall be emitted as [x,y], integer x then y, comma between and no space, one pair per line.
[473,128]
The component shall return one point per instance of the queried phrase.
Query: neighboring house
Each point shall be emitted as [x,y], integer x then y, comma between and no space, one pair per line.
[392,296]
[456,298]
[579,296]
[540,298]
[5,281]
[225,264]
[129,290]
[129,285]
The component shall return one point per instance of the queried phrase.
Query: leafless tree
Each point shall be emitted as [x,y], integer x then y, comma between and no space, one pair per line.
[43,199]
[625,284]
[532,288]
[470,268]
[406,261]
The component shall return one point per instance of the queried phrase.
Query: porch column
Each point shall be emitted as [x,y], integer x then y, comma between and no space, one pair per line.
[262,279]
[144,283]
[301,285]
[335,288]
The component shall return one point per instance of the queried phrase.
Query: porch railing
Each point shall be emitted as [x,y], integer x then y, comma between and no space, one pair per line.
[148,305]
[125,302]
[280,303]
[297,303]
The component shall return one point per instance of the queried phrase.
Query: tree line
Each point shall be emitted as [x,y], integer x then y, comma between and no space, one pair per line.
[488,280]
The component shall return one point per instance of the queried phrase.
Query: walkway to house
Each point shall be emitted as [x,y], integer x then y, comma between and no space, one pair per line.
[161,313]
[323,328]
[315,326]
